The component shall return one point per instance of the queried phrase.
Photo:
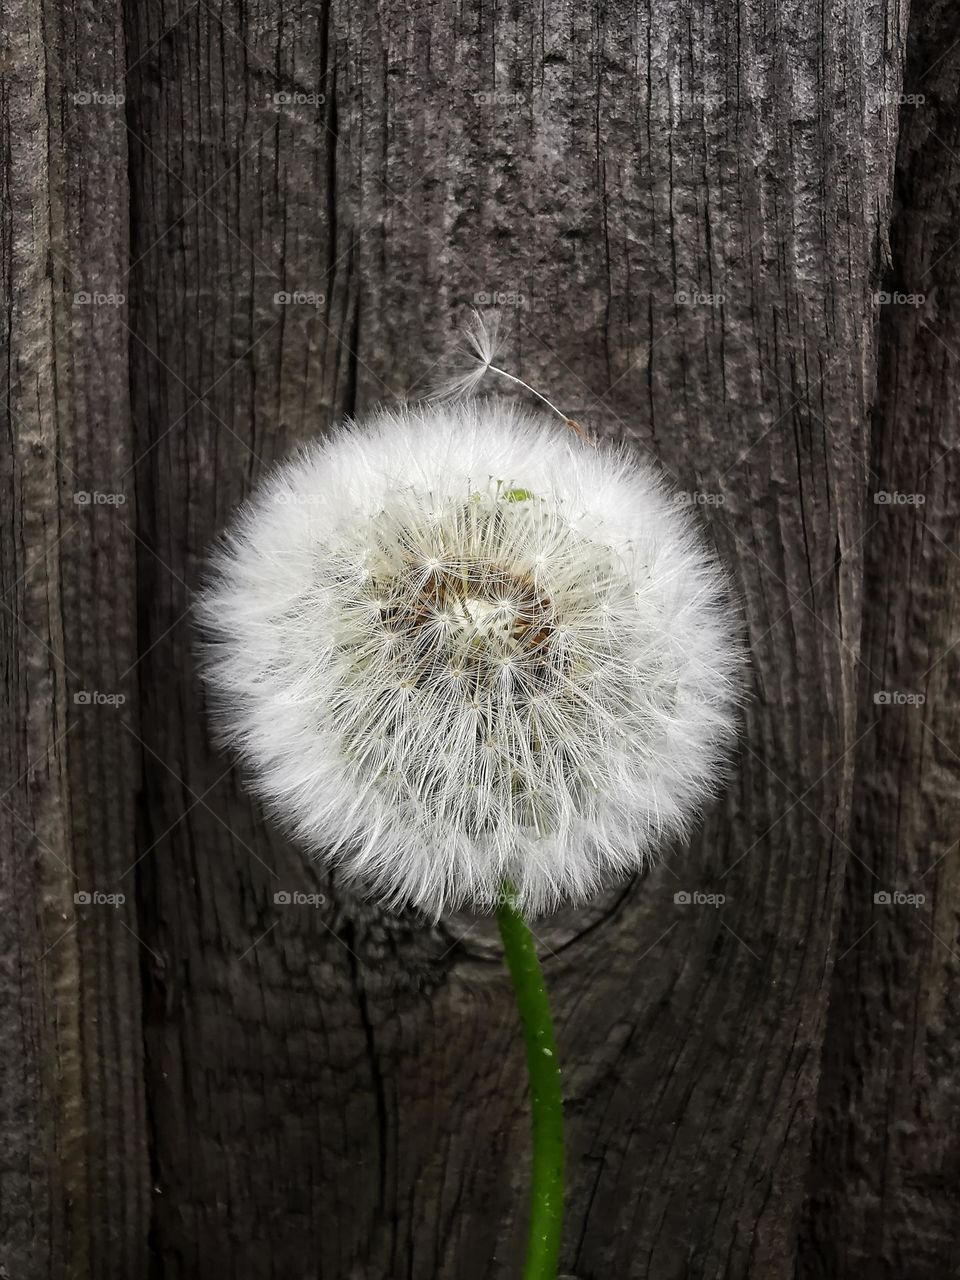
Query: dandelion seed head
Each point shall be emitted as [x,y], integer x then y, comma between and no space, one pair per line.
[511,654]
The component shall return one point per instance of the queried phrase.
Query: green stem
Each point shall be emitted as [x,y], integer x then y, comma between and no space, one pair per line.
[546,1098]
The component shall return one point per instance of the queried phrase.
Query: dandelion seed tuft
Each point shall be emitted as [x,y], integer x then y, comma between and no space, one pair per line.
[479,347]
[454,645]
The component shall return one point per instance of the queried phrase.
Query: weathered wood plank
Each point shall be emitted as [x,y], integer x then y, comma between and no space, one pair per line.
[883,1189]
[73,1195]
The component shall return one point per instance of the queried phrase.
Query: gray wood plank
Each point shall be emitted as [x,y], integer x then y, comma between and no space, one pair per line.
[883,1184]
[73,1178]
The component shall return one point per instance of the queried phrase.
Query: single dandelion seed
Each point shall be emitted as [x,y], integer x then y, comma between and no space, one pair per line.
[480,346]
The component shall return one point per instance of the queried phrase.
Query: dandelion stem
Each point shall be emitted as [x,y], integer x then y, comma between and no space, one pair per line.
[546,1099]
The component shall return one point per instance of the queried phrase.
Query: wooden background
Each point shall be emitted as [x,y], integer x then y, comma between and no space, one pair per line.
[686,212]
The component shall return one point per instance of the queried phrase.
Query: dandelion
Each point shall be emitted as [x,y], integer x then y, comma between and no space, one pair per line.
[456,645]
[474,660]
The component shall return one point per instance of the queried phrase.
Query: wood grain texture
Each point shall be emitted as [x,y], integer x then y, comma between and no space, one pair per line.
[73,1190]
[684,212]
[686,216]
[883,1196]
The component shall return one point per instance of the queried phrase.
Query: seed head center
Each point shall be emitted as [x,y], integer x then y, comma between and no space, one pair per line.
[484,618]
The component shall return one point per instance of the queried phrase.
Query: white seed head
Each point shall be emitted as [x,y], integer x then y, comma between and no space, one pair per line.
[455,643]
